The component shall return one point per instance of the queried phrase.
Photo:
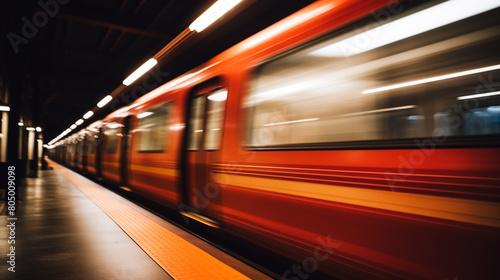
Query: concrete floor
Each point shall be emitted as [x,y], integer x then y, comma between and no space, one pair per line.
[61,234]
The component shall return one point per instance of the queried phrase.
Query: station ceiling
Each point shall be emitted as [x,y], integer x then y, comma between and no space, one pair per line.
[72,53]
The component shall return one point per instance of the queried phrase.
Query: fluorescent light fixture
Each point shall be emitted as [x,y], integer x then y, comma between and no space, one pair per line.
[88,115]
[144,114]
[30,128]
[434,79]
[20,124]
[290,122]
[140,71]
[104,101]
[4,108]
[213,13]
[73,126]
[79,122]
[479,95]
[414,24]
[38,129]
[45,146]
[218,96]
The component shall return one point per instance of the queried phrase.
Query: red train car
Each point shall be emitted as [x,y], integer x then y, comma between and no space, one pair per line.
[360,138]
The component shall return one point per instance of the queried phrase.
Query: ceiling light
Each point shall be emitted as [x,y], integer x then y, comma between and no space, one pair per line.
[20,124]
[140,71]
[4,108]
[30,128]
[104,101]
[88,115]
[73,126]
[38,129]
[79,122]
[213,13]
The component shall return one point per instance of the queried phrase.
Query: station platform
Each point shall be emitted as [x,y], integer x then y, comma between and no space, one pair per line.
[69,227]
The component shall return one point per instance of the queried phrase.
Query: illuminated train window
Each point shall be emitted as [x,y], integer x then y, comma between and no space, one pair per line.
[196,123]
[111,134]
[152,129]
[368,84]
[215,116]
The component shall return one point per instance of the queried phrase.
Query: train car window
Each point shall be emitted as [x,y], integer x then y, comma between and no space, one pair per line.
[91,144]
[196,122]
[79,146]
[152,129]
[215,116]
[111,134]
[369,83]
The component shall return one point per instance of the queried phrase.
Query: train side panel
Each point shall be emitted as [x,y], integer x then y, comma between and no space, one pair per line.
[156,135]
[112,141]
[398,184]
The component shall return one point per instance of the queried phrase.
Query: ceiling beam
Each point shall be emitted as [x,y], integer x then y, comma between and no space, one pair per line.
[111,25]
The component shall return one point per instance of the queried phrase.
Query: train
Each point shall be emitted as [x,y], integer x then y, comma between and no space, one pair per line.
[358,138]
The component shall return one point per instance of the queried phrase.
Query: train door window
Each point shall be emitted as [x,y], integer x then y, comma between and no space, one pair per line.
[215,116]
[112,131]
[340,91]
[196,122]
[91,144]
[152,129]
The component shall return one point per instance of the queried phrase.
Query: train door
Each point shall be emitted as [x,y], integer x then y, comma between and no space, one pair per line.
[124,152]
[85,154]
[98,153]
[206,111]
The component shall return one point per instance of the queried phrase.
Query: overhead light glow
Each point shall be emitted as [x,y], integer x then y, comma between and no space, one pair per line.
[290,122]
[218,96]
[20,124]
[38,129]
[30,128]
[494,109]
[79,122]
[213,13]
[4,108]
[407,107]
[434,79]
[88,115]
[104,101]
[140,71]
[73,126]
[417,23]
[144,114]
[479,95]
[113,125]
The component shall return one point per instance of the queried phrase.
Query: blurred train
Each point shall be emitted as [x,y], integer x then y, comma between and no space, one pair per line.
[359,138]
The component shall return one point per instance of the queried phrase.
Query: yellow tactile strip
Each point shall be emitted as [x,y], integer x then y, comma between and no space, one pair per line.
[178,257]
